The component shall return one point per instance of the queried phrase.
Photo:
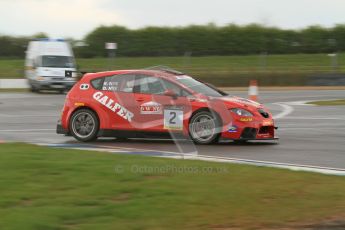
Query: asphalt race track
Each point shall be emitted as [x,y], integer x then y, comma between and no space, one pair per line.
[310,135]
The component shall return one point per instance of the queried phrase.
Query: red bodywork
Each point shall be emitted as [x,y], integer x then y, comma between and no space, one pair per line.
[128,111]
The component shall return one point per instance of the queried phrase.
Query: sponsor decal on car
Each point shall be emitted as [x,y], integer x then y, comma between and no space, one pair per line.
[267,123]
[246,119]
[233,129]
[113,106]
[173,119]
[110,86]
[151,108]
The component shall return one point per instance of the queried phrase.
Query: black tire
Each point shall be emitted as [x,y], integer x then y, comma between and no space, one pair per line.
[84,125]
[212,124]
[33,89]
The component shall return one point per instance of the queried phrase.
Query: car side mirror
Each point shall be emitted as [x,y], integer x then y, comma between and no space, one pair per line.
[171,93]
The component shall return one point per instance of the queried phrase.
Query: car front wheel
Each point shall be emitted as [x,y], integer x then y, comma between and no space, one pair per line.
[84,125]
[204,128]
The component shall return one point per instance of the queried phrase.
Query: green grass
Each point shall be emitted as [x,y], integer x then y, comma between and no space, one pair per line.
[328,103]
[14,90]
[46,188]
[229,70]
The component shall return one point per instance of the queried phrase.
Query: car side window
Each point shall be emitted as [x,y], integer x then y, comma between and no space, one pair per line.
[97,83]
[149,85]
[111,83]
[127,84]
[175,88]
[118,83]
[155,85]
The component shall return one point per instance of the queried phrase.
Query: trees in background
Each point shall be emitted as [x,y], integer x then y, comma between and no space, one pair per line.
[12,47]
[198,40]
[213,40]
[15,47]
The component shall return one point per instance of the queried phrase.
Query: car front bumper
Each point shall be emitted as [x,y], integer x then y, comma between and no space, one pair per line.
[60,129]
[252,139]
[255,130]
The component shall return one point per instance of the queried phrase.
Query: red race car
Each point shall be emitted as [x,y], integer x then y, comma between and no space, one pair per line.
[160,103]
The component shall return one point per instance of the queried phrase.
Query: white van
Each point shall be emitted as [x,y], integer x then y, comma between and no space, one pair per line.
[50,64]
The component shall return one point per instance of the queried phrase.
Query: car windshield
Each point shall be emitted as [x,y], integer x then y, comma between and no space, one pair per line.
[57,61]
[200,87]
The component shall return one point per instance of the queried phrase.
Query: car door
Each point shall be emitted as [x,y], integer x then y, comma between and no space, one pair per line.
[157,111]
[115,98]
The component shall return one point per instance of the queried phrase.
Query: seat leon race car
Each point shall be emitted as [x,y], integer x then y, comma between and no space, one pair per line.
[160,103]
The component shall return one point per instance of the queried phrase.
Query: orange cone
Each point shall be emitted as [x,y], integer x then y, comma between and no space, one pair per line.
[253,90]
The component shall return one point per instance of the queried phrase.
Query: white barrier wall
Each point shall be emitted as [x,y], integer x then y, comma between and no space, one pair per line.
[14,84]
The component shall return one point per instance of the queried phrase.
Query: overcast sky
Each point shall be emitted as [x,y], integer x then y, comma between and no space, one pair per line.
[75,18]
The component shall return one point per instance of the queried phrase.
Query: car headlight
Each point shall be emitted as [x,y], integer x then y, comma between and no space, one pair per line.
[241,112]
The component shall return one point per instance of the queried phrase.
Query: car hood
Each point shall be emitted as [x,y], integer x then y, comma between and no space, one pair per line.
[239,102]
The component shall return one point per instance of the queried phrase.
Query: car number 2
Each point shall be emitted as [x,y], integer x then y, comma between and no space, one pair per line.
[173,119]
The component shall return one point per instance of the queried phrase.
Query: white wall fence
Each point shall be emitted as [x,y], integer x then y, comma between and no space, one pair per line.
[14,84]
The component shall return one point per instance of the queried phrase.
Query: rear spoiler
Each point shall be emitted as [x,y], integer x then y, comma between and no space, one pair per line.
[82,73]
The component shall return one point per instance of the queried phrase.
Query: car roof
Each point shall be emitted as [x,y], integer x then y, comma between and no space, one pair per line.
[158,73]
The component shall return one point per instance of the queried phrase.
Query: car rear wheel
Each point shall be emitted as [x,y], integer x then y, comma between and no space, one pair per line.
[204,128]
[84,125]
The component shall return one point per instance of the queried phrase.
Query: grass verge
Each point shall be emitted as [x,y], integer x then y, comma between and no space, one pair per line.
[14,90]
[46,188]
[328,103]
[276,70]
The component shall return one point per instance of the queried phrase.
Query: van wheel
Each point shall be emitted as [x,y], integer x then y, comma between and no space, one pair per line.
[204,128]
[33,89]
[84,125]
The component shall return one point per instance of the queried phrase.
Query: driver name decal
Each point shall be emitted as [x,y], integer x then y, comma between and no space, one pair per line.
[151,108]
[113,106]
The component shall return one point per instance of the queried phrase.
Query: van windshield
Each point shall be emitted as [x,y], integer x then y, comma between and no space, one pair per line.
[57,61]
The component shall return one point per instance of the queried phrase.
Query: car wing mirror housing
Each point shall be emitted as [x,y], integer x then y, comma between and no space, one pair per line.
[171,93]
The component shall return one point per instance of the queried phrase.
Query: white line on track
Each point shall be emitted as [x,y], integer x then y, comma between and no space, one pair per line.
[143,150]
[287,109]
[294,167]
[315,118]
[301,103]
[311,128]
[290,166]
